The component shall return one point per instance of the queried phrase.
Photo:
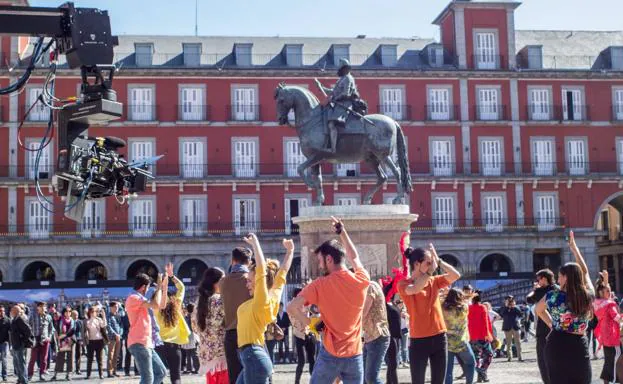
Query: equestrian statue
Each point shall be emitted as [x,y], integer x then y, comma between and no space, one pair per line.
[341,132]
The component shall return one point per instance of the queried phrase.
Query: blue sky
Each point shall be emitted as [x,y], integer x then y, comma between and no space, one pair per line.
[374,18]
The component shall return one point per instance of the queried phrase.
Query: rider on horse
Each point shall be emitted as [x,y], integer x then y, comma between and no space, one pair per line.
[341,100]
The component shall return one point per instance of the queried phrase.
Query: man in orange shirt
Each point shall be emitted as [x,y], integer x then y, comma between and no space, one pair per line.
[340,297]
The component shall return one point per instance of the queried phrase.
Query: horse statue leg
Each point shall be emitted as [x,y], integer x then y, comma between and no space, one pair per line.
[381,178]
[309,181]
[400,196]
[317,174]
[314,180]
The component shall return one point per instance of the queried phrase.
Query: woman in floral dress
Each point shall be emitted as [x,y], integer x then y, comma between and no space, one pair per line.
[207,322]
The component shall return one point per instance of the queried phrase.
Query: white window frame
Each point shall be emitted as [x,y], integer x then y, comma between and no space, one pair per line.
[350,199]
[493,56]
[579,111]
[192,59]
[441,171]
[291,161]
[46,164]
[617,103]
[492,110]
[493,221]
[447,223]
[541,168]
[341,170]
[542,112]
[396,106]
[195,228]
[492,168]
[133,156]
[146,228]
[189,111]
[193,170]
[139,60]
[245,169]
[576,167]
[252,224]
[40,112]
[437,111]
[545,222]
[244,111]
[142,111]
[304,197]
[619,151]
[93,225]
[43,225]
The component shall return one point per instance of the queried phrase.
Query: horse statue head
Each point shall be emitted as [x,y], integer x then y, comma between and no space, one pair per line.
[285,102]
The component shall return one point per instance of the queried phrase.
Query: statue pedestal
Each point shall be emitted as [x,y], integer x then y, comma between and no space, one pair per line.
[374,229]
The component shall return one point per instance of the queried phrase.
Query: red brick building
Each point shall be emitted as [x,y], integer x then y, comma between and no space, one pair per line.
[513,137]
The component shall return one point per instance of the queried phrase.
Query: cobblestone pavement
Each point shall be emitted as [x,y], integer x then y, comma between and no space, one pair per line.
[500,372]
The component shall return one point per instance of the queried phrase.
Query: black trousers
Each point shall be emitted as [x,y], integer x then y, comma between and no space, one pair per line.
[611,355]
[231,355]
[541,341]
[304,347]
[284,344]
[94,347]
[392,360]
[173,357]
[190,360]
[567,358]
[421,350]
[78,354]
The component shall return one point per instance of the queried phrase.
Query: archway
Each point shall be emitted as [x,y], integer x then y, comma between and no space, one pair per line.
[142,266]
[452,260]
[495,262]
[192,269]
[608,222]
[38,270]
[91,270]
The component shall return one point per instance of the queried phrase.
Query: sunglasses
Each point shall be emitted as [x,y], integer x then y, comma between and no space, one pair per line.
[398,302]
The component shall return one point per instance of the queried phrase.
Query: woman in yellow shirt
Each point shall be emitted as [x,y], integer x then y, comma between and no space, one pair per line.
[265,282]
[174,331]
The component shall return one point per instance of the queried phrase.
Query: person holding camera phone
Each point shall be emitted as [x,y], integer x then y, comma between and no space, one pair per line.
[340,296]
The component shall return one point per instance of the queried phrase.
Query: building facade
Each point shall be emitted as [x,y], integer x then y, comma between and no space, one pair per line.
[513,137]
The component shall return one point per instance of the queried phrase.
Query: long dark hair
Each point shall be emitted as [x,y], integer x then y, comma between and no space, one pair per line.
[211,276]
[578,299]
[455,300]
[414,255]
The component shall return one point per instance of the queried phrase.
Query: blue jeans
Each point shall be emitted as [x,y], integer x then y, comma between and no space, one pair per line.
[19,364]
[150,367]
[270,348]
[469,364]
[256,366]
[4,352]
[328,367]
[404,348]
[373,356]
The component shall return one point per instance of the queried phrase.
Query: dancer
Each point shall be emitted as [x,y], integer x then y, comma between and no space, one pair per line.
[609,324]
[544,284]
[455,312]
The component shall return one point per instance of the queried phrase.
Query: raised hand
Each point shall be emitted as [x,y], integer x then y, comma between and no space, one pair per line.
[572,244]
[288,244]
[159,279]
[169,269]
[337,225]
[251,239]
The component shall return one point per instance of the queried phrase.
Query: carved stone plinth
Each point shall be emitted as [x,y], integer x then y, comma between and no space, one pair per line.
[375,230]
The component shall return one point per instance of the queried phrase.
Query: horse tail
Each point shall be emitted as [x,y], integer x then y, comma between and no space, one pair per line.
[403,161]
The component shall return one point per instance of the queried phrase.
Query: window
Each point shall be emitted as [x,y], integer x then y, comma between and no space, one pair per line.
[540,104]
[244,56]
[292,208]
[141,150]
[486,50]
[294,55]
[93,218]
[191,107]
[142,104]
[142,217]
[350,201]
[193,216]
[543,163]
[618,104]
[488,105]
[144,55]
[392,103]
[192,54]
[193,159]
[38,220]
[389,55]
[39,112]
[439,104]
[245,215]
[340,51]
[293,157]
[244,104]
[576,156]
[43,170]
[435,56]
[245,158]
[546,212]
[491,157]
[442,163]
[493,213]
[346,169]
[616,58]
[620,155]
[535,57]
[443,213]
[572,105]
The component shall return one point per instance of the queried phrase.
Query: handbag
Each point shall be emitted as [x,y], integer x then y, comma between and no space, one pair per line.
[275,332]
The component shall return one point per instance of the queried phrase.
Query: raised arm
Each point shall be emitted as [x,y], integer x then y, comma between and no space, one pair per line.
[252,240]
[260,296]
[288,244]
[580,260]
[450,273]
[325,90]
[296,309]
[411,287]
[179,285]
[351,252]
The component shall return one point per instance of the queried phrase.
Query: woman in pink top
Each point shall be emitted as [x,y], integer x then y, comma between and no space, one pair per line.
[609,323]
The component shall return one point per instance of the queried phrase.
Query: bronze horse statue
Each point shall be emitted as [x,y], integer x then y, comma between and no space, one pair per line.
[371,138]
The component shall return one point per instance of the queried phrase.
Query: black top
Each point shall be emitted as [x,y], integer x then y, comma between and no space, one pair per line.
[511,317]
[5,327]
[393,318]
[542,329]
[283,322]
[20,331]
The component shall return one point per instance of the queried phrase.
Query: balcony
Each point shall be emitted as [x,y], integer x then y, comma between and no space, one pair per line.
[490,113]
[193,112]
[398,112]
[577,113]
[141,112]
[244,112]
[540,112]
[493,226]
[440,112]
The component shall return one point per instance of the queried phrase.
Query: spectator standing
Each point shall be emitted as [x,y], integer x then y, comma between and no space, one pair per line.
[305,344]
[21,339]
[5,329]
[189,350]
[511,324]
[283,321]
[66,328]
[43,329]
[395,333]
[79,340]
[95,334]
[115,331]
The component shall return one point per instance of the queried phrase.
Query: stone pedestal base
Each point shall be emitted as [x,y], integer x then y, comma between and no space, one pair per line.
[375,230]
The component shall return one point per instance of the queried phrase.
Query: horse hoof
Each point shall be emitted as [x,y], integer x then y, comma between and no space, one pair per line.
[398,200]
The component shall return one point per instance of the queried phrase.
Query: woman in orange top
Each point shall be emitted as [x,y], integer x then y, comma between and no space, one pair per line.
[427,328]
